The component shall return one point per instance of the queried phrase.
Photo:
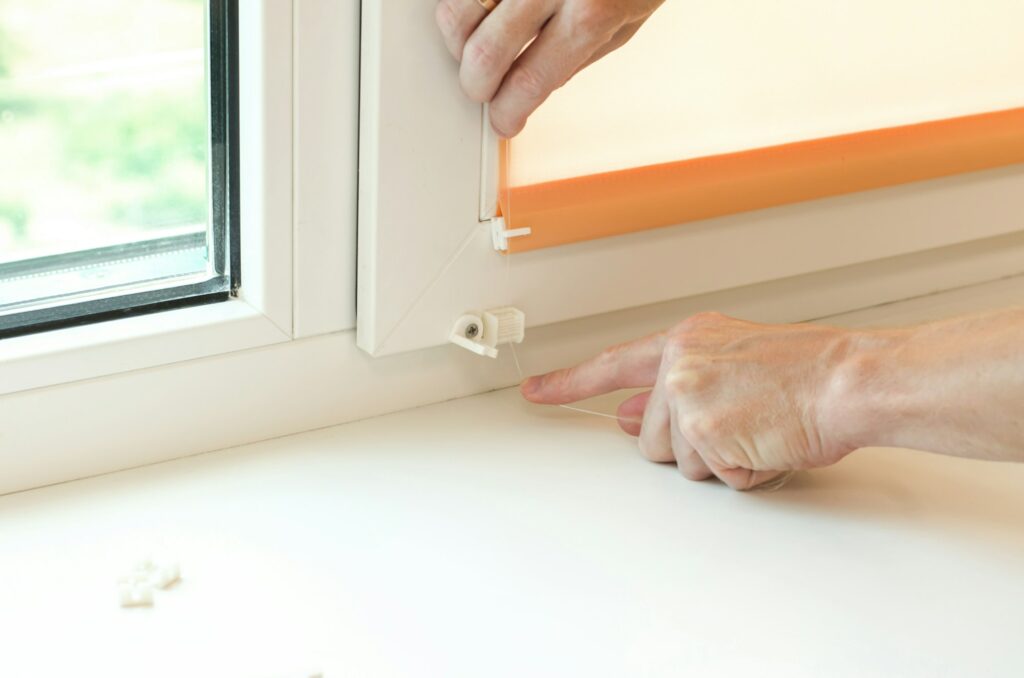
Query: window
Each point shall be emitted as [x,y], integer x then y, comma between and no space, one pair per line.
[118,175]
[298,77]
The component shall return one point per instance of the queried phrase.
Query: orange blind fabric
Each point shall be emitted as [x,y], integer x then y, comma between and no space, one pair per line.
[625,201]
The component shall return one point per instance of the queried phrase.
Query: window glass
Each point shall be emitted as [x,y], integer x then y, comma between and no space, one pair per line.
[110,180]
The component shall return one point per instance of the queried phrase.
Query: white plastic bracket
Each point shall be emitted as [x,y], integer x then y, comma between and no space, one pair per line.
[500,235]
[481,333]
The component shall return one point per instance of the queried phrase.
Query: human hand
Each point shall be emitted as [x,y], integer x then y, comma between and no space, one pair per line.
[742,401]
[500,64]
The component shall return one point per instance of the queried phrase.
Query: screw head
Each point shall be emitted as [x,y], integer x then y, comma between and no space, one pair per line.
[472,331]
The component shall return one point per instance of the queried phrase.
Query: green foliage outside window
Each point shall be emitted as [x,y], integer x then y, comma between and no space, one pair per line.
[101,138]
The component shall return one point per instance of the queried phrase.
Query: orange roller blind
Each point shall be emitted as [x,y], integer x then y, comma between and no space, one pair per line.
[625,201]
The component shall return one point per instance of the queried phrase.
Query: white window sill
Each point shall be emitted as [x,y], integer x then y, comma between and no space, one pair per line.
[488,537]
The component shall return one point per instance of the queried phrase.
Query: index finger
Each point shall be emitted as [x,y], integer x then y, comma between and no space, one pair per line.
[631,365]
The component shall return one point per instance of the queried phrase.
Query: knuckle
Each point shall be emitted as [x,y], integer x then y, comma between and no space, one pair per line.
[685,377]
[607,356]
[481,53]
[704,427]
[681,339]
[689,363]
[446,16]
[559,383]
[478,75]
[595,18]
[455,26]
[690,333]
[693,471]
[608,360]
[529,82]
[655,453]
[702,319]
[615,350]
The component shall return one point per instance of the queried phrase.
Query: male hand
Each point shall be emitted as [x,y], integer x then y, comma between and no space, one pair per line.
[500,64]
[738,400]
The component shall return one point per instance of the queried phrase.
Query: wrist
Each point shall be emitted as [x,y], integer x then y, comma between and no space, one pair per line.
[862,404]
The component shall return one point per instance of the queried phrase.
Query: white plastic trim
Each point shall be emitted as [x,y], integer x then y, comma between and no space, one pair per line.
[489,174]
[77,353]
[265,92]
[326,73]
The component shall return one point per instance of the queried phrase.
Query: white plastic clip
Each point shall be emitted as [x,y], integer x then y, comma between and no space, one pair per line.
[482,333]
[500,235]
[468,332]
[136,588]
[166,576]
[136,594]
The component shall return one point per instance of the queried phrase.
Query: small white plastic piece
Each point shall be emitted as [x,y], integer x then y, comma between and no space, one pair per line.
[500,235]
[135,594]
[468,332]
[506,325]
[141,574]
[136,588]
[166,576]
[482,333]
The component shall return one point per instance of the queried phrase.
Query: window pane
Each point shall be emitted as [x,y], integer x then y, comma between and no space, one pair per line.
[105,148]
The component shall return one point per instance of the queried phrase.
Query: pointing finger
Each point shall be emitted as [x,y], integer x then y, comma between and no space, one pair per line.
[631,365]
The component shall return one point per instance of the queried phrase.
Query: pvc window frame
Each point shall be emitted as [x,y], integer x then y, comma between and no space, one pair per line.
[297,237]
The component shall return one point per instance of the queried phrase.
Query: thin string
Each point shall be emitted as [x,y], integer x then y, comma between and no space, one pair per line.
[581,410]
[601,414]
[508,295]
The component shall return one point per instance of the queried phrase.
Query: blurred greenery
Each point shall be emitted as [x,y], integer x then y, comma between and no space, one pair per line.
[5,47]
[15,214]
[103,121]
[157,137]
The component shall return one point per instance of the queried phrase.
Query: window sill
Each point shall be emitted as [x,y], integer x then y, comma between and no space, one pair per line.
[442,540]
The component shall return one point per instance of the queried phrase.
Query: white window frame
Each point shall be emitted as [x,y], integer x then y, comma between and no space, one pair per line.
[297,227]
[427,176]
